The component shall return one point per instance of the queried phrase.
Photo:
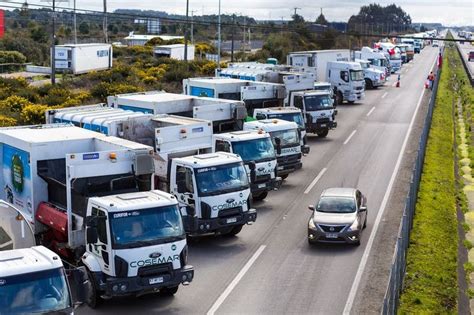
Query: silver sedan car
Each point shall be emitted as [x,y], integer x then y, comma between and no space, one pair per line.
[339,216]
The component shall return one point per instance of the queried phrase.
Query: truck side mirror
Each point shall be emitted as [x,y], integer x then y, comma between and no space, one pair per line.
[91,235]
[91,221]
[278,145]
[253,174]
[191,211]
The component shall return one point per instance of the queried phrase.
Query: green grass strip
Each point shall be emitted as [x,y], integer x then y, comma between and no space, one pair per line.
[430,285]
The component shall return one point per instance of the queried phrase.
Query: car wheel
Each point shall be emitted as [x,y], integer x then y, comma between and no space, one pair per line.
[365,222]
[311,243]
[357,243]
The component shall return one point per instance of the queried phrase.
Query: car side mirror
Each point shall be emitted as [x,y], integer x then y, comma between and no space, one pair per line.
[91,235]
[311,207]
[363,209]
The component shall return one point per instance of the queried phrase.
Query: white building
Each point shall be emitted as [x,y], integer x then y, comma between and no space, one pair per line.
[173,51]
[141,40]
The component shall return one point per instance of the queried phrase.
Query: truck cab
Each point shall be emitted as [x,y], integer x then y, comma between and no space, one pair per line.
[373,77]
[286,140]
[256,149]
[33,280]
[213,191]
[288,113]
[318,111]
[347,78]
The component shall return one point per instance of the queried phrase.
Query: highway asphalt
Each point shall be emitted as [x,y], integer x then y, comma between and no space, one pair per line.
[269,268]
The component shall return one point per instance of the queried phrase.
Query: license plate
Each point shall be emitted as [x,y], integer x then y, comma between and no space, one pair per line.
[232,220]
[331,235]
[280,168]
[156,280]
[323,125]
[262,185]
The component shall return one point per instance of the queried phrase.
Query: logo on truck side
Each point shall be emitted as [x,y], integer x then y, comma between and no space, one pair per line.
[154,261]
[228,205]
[155,255]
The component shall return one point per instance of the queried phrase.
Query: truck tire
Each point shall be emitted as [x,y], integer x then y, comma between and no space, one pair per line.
[323,134]
[260,196]
[235,230]
[283,177]
[368,84]
[339,98]
[93,299]
[170,291]
[350,102]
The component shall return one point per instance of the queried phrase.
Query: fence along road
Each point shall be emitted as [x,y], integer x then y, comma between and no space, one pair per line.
[282,273]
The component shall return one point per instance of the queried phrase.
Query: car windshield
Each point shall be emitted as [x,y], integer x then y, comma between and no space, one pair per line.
[153,226]
[336,205]
[221,179]
[357,75]
[39,292]
[294,117]
[288,138]
[254,150]
[317,102]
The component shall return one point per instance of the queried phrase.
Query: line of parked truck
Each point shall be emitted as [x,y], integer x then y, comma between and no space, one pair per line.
[116,188]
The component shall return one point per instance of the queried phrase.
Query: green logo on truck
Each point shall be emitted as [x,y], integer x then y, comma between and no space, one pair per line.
[17,173]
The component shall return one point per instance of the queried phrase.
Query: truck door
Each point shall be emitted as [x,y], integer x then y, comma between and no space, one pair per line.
[223,146]
[185,189]
[101,249]
[299,103]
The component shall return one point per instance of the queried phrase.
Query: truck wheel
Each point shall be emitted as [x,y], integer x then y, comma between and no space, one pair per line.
[323,134]
[368,84]
[261,196]
[350,102]
[169,291]
[339,98]
[93,296]
[235,230]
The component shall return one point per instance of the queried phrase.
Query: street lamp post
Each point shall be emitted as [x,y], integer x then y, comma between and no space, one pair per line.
[186,33]
[219,40]
[53,46]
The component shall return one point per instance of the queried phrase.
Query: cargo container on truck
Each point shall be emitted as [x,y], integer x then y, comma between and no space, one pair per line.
[83,58]
[88,198]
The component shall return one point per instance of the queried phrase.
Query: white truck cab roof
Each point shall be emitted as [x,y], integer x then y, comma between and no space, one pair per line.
[270,125]
[134,201]
[279,110]
[346,65]
[244,135]
[27,260]
[210,159]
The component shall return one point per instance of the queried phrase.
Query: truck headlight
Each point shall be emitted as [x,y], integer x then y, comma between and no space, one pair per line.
[311,224]
[354,226]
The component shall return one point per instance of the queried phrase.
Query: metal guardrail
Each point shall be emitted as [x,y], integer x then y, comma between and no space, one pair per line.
[397,273]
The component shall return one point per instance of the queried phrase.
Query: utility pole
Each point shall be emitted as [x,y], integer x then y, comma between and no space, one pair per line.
[192,26]
[219,39]
[232,39]
[296,8]
[282,24]
[186,33]
[106,36]
[53,47]
[75,23]
[244,36]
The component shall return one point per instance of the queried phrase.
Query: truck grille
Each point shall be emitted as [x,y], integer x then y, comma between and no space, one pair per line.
[323,120]
[263,178]
[332,228]
[359,88]
[156,270]
[230,212]
[289,159]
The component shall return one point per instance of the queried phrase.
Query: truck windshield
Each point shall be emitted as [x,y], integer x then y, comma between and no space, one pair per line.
[288,138]
[294,117]
[364,65]
[146,227]
[317,102]
[222,179]
[377,62]
[357,75]
[38,292]
[254,150]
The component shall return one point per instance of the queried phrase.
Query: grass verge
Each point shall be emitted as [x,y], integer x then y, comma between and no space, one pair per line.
[431,276]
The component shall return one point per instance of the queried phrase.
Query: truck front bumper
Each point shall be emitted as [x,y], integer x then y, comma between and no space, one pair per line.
[139,285]
[321,126]
[206,226]
[354,97]
[288,164]
[272,184]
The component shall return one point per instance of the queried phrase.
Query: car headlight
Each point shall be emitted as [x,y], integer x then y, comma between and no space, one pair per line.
[354,226]
[311,224]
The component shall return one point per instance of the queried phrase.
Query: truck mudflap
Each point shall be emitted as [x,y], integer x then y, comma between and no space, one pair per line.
[139,285]
[272,184]
[212,225]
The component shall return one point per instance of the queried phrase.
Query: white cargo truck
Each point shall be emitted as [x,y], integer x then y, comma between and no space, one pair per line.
[83,58]
[393,53]
[33,281]
[286,140]
[373,77]
[88,198]
[376,58]
[182,148]
[335,67]
[226,115]
[175,51]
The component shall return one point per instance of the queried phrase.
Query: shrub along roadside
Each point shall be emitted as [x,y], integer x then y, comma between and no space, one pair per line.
[431,277]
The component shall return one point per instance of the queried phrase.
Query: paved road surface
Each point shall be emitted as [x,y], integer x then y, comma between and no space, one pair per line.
[283,274]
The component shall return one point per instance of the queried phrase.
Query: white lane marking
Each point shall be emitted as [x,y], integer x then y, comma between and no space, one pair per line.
[236,280]
[384,94]
[371,111]
[315,181]
[350,137]
[370,242]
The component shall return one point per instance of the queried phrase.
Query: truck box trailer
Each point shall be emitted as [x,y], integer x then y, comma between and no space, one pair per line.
[88,197]
[83,58]
[173,51]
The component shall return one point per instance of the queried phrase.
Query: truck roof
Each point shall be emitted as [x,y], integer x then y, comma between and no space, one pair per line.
[281,110]
[85,45]
[270,125]
[218,80]
[210,159]
[155,96]
[319,51]
[243,135]
[134,201]
[27,260]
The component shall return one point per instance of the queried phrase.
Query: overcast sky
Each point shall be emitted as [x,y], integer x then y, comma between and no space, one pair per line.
[454,12]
